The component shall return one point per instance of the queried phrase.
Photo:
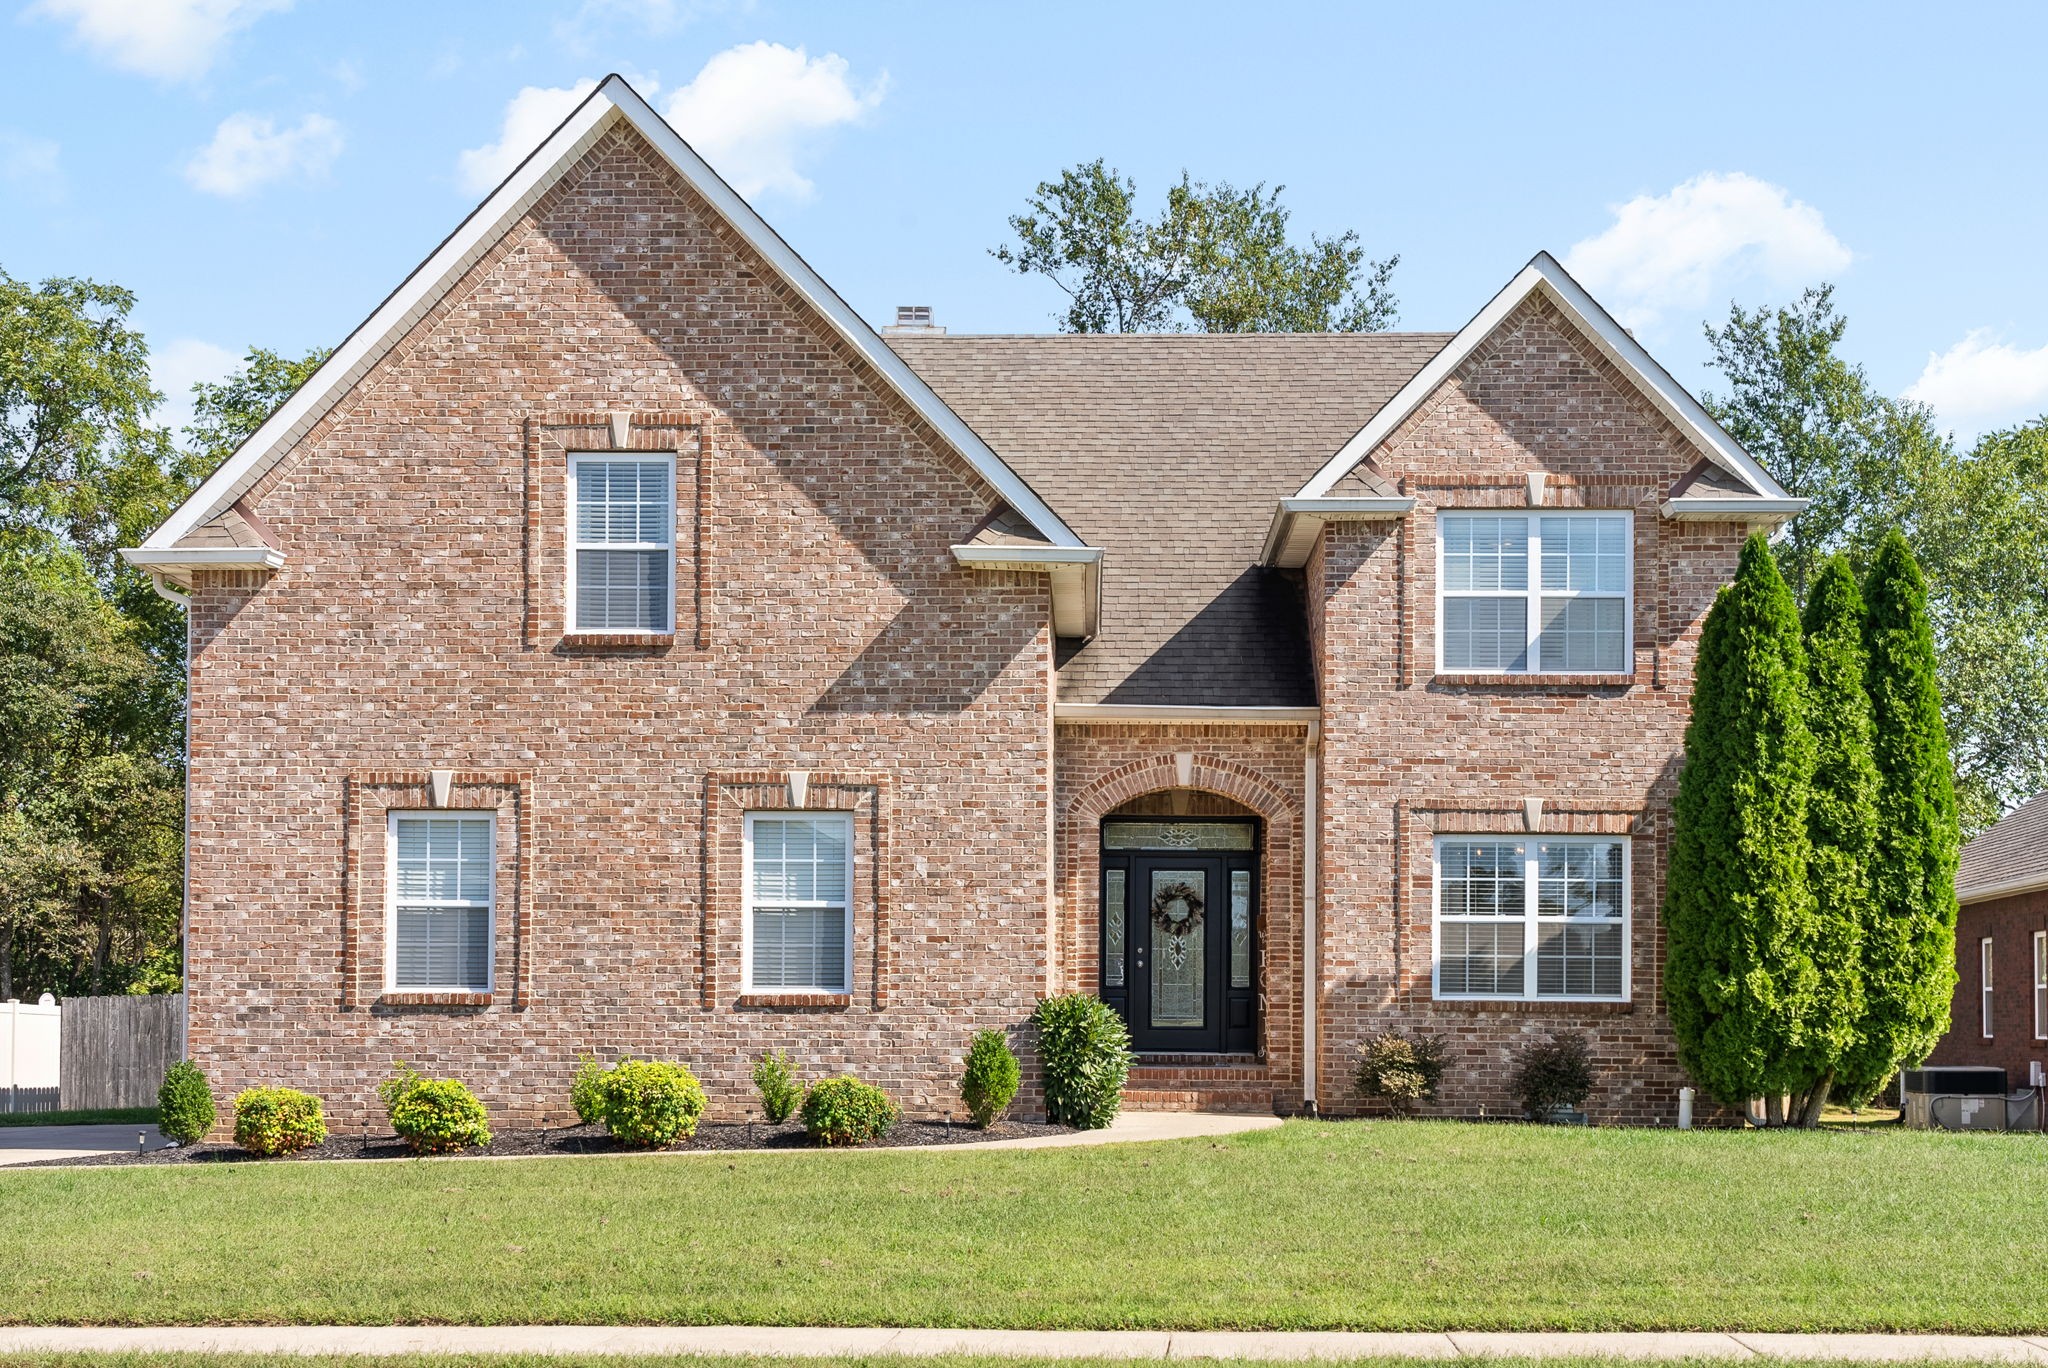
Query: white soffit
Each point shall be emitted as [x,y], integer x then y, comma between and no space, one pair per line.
[1545,274]
[612,101]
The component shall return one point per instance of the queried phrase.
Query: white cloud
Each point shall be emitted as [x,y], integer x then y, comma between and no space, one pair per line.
[755,110]
[168,39]
[30,165]
[1981,384]
[249,150]
[530,116]
[175,368]
[1678,251]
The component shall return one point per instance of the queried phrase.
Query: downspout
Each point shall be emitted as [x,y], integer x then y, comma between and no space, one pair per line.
[1310,973]
[1052,806]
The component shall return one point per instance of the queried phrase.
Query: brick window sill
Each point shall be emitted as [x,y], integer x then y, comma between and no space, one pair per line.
[617,641]
[1528,1007]
[797,1002]
[434,1000]
[1536,681]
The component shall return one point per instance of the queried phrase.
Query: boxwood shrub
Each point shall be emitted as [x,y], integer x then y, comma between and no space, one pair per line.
[846,1111]
[991,1078]
[1086,1052]
[185,1110]
[434,1115]
[775,1080]
[586,1094]
[650,1104]
[277,1120]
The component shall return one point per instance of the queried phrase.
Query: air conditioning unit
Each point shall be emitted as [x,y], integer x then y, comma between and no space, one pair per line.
[1954,1097]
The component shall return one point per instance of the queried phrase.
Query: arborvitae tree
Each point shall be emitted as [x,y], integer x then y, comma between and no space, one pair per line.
[1841,816]
[1909,945]
[1739,979]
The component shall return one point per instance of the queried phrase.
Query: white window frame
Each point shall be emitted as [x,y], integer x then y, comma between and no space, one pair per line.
[577,458]
[392,819]
[2041,985]
[1534,591]
[748,904]
[1531,922]
[1984,982]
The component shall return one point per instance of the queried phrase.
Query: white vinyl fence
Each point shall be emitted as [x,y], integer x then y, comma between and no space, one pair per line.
[30,1038]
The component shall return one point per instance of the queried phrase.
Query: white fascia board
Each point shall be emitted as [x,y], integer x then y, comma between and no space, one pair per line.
[2004,890]
[612,100]
[1296,522]
[1736,509]
[1106,713]
[1544,273]
[1075,571]
[203,557]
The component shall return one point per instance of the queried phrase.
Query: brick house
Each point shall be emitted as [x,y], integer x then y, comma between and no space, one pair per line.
[2000,1016]
[620,646]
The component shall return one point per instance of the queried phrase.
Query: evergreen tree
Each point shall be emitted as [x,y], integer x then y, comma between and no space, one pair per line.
[1909,945]
[1740,980]
[1841,815]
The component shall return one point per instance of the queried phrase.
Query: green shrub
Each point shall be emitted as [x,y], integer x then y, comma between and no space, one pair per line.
[1086,1051]
[277,1120]
[846,1111]
[991,1078]
[434,1115]
[776,1081]
[586,1094]
[650,1104]
[1400,1070]
[1553,1073]
[184,1104]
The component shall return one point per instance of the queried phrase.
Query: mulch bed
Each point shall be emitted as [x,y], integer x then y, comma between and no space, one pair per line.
[724,1135]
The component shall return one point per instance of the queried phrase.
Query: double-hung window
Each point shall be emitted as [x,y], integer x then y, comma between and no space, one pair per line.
[2041,985]
[799,902]
[1530,593]
[622,543]
[1532,918]
[1984,982]
[441,902]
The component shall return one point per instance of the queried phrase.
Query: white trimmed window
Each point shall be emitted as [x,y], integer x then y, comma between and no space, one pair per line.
[2041,985]
[442,890]
[799,902]
[1534,593]
[622,543]
[1984,981]
[1532,918]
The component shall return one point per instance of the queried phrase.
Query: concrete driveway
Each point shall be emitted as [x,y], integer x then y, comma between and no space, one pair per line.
[27,1144]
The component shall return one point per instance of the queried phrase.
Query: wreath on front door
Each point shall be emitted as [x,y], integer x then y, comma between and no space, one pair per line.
[1180,897]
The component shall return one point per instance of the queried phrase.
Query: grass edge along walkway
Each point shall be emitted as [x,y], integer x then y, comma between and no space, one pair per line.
[769,1345]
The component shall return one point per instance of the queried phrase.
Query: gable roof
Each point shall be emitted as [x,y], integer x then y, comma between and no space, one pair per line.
[2011,856]
[1168,451]
[613,102]
[1544,274]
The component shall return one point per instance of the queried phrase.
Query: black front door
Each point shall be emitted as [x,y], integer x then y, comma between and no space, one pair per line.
[1177,932]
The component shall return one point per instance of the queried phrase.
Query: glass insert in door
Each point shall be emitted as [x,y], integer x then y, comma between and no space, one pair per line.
[1179,906]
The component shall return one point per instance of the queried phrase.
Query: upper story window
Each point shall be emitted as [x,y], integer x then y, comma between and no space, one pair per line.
[799,902]
[1534,593]
[1532,918]
[622,543]
[441,902]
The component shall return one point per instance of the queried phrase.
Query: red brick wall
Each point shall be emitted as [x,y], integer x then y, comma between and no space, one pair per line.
[1103,767]
[2014,1044]
[417,625]
[1407,756]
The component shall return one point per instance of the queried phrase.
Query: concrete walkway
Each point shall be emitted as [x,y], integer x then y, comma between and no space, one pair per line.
[1049,1344]
[27,1144]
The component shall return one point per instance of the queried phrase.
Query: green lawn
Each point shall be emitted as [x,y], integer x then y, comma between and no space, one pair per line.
[1389,1225]
[185,1360]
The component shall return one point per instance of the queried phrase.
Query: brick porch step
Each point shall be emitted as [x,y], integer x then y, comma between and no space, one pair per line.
[1214,1083]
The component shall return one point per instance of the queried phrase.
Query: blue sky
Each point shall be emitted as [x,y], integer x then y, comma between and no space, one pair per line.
[264,171]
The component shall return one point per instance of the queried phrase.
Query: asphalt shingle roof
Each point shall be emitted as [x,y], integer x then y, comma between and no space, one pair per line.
[2013,850]
[1169,451]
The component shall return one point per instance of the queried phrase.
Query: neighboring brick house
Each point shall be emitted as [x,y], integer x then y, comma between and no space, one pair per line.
[2000,1016]
[619,646]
